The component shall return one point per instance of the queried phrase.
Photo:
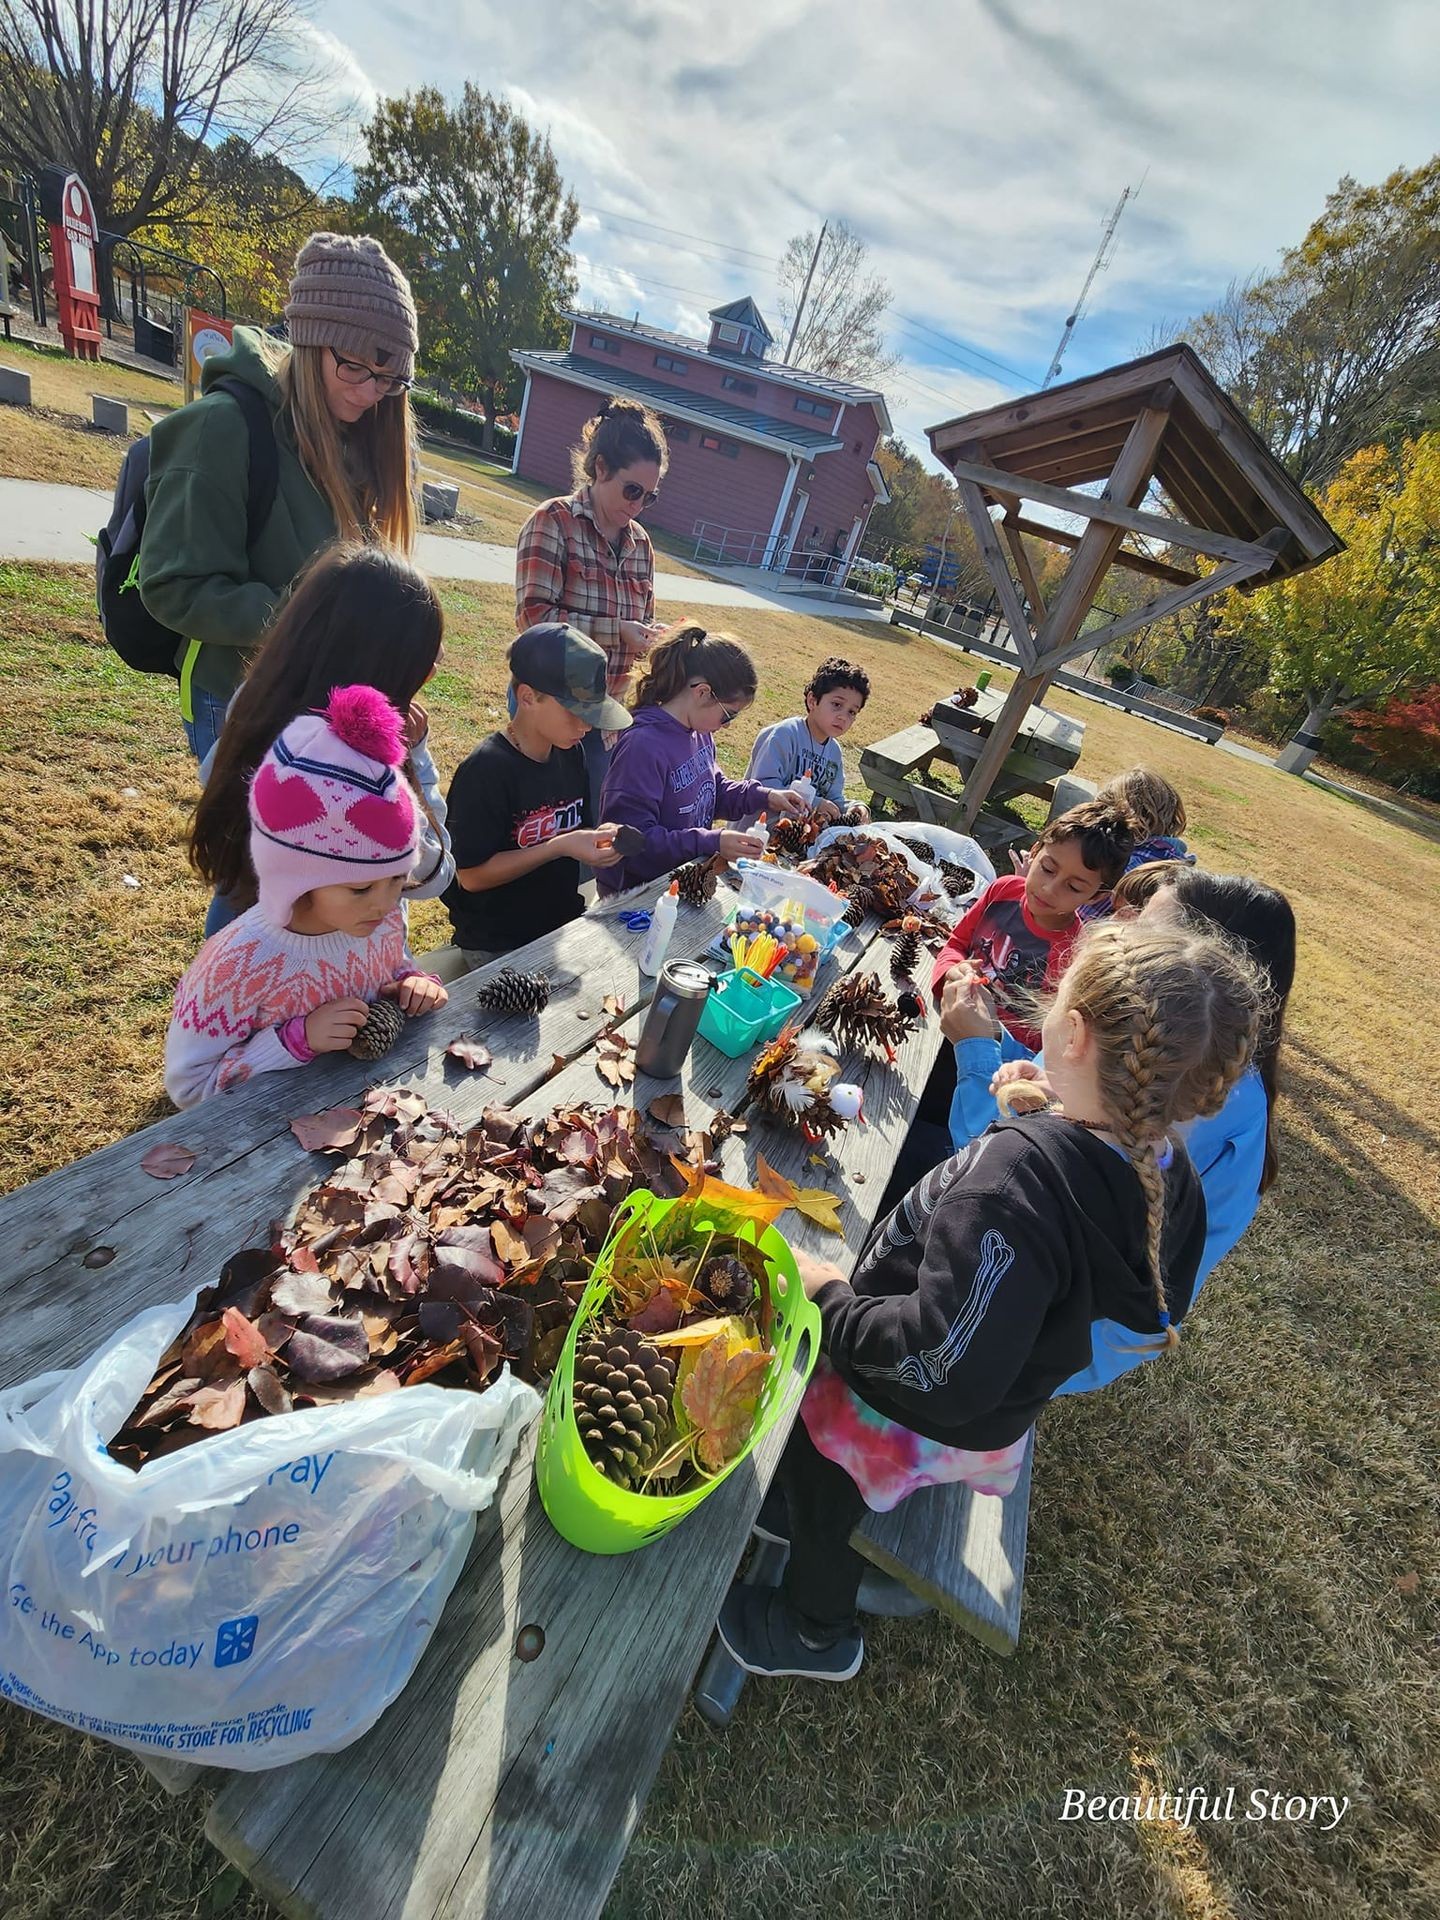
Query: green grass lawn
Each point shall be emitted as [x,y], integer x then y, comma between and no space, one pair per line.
[1232,1565]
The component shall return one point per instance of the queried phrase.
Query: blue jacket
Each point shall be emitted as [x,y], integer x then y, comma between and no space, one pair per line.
[1228,1152]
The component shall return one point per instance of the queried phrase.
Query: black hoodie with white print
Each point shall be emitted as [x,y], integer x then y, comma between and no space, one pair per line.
[974,1300]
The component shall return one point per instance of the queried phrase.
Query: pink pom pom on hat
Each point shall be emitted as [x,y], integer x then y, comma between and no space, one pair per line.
[328,806]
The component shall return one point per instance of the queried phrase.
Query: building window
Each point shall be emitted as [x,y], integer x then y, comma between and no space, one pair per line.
[712,443]
[667,363]
[604,343]
[726,332]
[737,385]
[819,408]
[674,432]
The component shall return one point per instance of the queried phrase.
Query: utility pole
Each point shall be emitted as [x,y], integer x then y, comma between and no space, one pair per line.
[1097,265]
[805,293]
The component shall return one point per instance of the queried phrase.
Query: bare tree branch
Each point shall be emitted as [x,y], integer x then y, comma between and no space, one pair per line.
[842,326]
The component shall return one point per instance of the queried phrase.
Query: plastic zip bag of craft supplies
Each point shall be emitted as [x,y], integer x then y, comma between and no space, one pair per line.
[804,917]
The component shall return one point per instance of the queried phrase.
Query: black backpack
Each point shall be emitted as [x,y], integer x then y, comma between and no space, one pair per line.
[132,630]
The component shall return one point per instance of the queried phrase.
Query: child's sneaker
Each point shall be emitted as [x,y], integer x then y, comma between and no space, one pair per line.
[761,1633]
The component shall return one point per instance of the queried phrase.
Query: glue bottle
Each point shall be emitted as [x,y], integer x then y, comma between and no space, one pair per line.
[662,925]
[761,832]
[805,787]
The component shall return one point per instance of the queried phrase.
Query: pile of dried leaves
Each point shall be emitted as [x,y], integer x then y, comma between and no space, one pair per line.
[427,1253]
[862,860]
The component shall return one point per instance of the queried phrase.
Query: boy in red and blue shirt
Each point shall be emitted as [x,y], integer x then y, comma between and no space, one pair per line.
[1017,936]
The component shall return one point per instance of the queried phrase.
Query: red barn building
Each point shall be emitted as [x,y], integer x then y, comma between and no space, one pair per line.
[769,466]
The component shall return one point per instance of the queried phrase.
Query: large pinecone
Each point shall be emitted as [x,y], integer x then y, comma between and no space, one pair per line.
[958,880]
[793,838]
[862,901]
[623,1389]
[921,849]
[906,950]
[727,1283]
[857,1013]
[380,1031]
[514,992]
[696,883]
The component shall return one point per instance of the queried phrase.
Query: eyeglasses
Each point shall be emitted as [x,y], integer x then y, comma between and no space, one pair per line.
[727,714]
[633,491]
[354,373]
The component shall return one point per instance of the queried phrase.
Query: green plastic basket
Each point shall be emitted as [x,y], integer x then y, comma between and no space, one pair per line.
[591,1511]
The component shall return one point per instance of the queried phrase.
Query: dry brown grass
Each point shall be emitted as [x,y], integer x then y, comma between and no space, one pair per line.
[1215,1544]
[55,440]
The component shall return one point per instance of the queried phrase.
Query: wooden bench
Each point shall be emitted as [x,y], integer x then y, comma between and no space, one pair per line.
[957,1551]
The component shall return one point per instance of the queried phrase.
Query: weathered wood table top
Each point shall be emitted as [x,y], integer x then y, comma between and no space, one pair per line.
[492,1786]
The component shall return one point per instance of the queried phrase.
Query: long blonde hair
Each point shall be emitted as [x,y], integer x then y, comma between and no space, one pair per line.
[367,473]
[1175,1014]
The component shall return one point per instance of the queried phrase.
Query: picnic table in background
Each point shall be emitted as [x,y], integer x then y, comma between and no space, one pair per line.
[493,1785]
[1046,748]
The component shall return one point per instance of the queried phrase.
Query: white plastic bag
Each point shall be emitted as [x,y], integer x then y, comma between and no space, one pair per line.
[258,1596]
[930,892]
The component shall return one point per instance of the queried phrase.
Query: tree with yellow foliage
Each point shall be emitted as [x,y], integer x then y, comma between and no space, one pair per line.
[1366,623]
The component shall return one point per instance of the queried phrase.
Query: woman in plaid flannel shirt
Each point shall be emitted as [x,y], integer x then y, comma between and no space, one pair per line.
[586,560]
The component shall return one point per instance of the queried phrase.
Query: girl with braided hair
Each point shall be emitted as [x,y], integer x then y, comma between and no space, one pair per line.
[1233,1151]
[976,1298]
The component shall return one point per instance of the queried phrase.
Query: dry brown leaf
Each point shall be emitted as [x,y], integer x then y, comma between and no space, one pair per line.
[768,1181]
[167,1160]
[1408,1583]
[470,1052]
[328,1132]
[720,1396]
[219,1408]
[244,1339]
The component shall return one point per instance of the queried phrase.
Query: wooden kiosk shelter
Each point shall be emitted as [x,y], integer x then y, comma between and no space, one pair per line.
[1157,423]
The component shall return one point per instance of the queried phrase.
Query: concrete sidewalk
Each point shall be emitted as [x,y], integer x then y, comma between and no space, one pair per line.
[39,521]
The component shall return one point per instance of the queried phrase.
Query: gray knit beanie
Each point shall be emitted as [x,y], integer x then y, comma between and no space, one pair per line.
[347,293]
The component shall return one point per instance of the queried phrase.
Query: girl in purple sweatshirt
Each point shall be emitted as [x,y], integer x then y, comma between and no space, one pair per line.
[663,782]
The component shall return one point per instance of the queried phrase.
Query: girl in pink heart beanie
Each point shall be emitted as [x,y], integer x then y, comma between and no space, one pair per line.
[333,833]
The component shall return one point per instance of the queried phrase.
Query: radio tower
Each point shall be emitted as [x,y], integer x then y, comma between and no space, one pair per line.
[1097,265]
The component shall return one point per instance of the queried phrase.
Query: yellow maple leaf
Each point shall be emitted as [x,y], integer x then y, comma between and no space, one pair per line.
[820,1206]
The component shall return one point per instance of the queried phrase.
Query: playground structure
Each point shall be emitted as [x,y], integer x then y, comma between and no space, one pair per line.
[139,288]
[1158,422]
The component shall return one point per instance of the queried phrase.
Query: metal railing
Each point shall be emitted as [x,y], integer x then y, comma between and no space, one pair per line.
[720,546]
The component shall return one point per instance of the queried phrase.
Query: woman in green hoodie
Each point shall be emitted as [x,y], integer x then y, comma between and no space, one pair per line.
[339,399]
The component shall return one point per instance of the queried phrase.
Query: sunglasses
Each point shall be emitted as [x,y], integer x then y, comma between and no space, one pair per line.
[633,491]
[354,373]
[727,714]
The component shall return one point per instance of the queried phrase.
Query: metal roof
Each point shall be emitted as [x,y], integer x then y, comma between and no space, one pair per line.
[843,390]
[706,409]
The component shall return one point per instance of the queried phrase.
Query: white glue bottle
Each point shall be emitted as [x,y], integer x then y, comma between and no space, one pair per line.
[662,925]
[805,787]
[761,832]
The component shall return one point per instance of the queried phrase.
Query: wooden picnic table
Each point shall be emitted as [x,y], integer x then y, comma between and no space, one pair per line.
[492,1786]
[1046,748]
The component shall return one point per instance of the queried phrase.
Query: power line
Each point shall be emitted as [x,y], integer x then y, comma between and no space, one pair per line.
[950,341]
[676,233]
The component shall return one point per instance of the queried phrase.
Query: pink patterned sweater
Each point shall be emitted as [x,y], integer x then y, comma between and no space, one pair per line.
[238,1003]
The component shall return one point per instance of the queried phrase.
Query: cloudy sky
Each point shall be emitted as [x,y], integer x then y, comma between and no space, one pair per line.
[977,145]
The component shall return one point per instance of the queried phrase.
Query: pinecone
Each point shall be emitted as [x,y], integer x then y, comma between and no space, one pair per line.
[623,1389]
[857,1013]
[958,880]
[697,882]
[862,901]
[854,816]
[906,950]
[728,1283]
[921,849]
[514,992]
[380,1031]
[793,838]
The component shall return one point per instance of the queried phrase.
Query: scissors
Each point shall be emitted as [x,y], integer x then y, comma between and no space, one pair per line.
[635,920]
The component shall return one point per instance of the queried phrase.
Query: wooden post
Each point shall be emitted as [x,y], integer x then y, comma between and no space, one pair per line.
[1023,567]
[998,568]
[1091,561]
[1022,696]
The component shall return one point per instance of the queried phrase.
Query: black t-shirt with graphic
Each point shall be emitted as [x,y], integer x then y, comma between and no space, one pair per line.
[500,799]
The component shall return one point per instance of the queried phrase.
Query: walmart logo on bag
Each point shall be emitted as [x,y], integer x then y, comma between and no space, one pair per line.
[235,1640]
